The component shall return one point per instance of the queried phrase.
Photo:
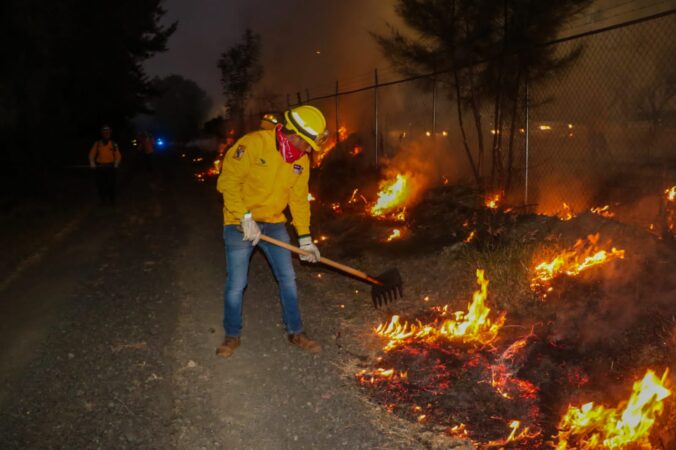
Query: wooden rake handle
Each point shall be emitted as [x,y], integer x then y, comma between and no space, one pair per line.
[329,262]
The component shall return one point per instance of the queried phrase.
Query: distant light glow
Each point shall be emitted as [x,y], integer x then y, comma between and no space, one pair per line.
[159,142]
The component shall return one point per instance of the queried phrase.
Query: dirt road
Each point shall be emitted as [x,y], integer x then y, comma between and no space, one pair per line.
[109,338]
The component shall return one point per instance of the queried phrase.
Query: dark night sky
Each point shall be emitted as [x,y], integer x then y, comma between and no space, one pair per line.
[291,31]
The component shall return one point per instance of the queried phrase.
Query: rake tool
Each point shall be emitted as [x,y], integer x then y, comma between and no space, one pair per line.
[387,286]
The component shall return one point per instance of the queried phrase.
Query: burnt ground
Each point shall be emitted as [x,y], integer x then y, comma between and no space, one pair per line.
[110,318]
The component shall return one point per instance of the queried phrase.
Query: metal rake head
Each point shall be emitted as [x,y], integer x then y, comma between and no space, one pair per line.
[389,289]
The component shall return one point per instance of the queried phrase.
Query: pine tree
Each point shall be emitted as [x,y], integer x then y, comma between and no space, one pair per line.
[483,52]
[240,71]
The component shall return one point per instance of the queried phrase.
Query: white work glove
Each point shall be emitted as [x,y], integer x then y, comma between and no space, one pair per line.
[250,229]
[307,245]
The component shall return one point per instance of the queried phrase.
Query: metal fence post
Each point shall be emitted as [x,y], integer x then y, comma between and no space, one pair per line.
[526,149]
[337,117]
[434,106]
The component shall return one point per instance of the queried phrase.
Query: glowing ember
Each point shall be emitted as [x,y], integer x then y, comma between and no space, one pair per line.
[471,326]
[671,194]
[470,237]
[503,372]
[603,211]
[514,436]
[331,144]
[212,171]
[396,234]
[583,255]
[336,208]
[392,196]
[355,197]
[311,198]
[379,375]
[356,150]
[565,213]
[670,197]
[597,427]
[493,201]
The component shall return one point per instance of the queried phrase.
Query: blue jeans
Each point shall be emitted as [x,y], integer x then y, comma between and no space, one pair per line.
[237,256]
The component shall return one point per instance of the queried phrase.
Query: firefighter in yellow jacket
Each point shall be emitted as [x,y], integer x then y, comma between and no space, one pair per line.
[263,173]
[104,158]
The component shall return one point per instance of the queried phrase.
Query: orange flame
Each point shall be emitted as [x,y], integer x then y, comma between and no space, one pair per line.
[356,197]
[356,150]
[470,237]
[671,194]
[393,195]
[597,427]
[212,171]
[583,255]
[329,146]
[514,436]
[365,377]
[493,201]
[471,326]
[603,211]
[396,234]
[565,213]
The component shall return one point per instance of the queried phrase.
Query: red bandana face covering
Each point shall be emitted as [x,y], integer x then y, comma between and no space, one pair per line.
[286,148]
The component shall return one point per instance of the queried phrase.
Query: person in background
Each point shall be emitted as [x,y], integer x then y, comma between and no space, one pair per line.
[148,148]
[262,173]
[268,121]
[104,158]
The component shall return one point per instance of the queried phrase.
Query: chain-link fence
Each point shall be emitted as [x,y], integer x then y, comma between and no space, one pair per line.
[601,130]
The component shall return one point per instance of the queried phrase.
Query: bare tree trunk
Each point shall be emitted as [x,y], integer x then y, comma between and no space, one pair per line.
[512,129]
[461,124]
[476,111]
[497,129]
[458,100]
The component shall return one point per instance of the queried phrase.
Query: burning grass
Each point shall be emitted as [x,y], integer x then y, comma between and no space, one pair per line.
[451,367]
[502,371]
[471,326]
[392,196]
[584,255]
[591,427]
[511,389]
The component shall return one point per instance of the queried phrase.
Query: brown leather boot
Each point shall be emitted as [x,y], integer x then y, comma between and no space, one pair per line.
[302,341]
[227,348]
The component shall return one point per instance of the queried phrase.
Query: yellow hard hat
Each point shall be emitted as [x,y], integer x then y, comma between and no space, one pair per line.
[307,122]
[270,118]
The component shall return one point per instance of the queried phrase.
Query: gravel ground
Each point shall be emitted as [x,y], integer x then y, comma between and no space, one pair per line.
[109,341]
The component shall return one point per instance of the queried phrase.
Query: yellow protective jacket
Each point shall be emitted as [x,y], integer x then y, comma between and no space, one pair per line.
[254,177]
[101,153]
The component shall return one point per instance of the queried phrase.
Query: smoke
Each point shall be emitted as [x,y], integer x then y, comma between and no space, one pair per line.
[427,162]
[308,46]
[627,299]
